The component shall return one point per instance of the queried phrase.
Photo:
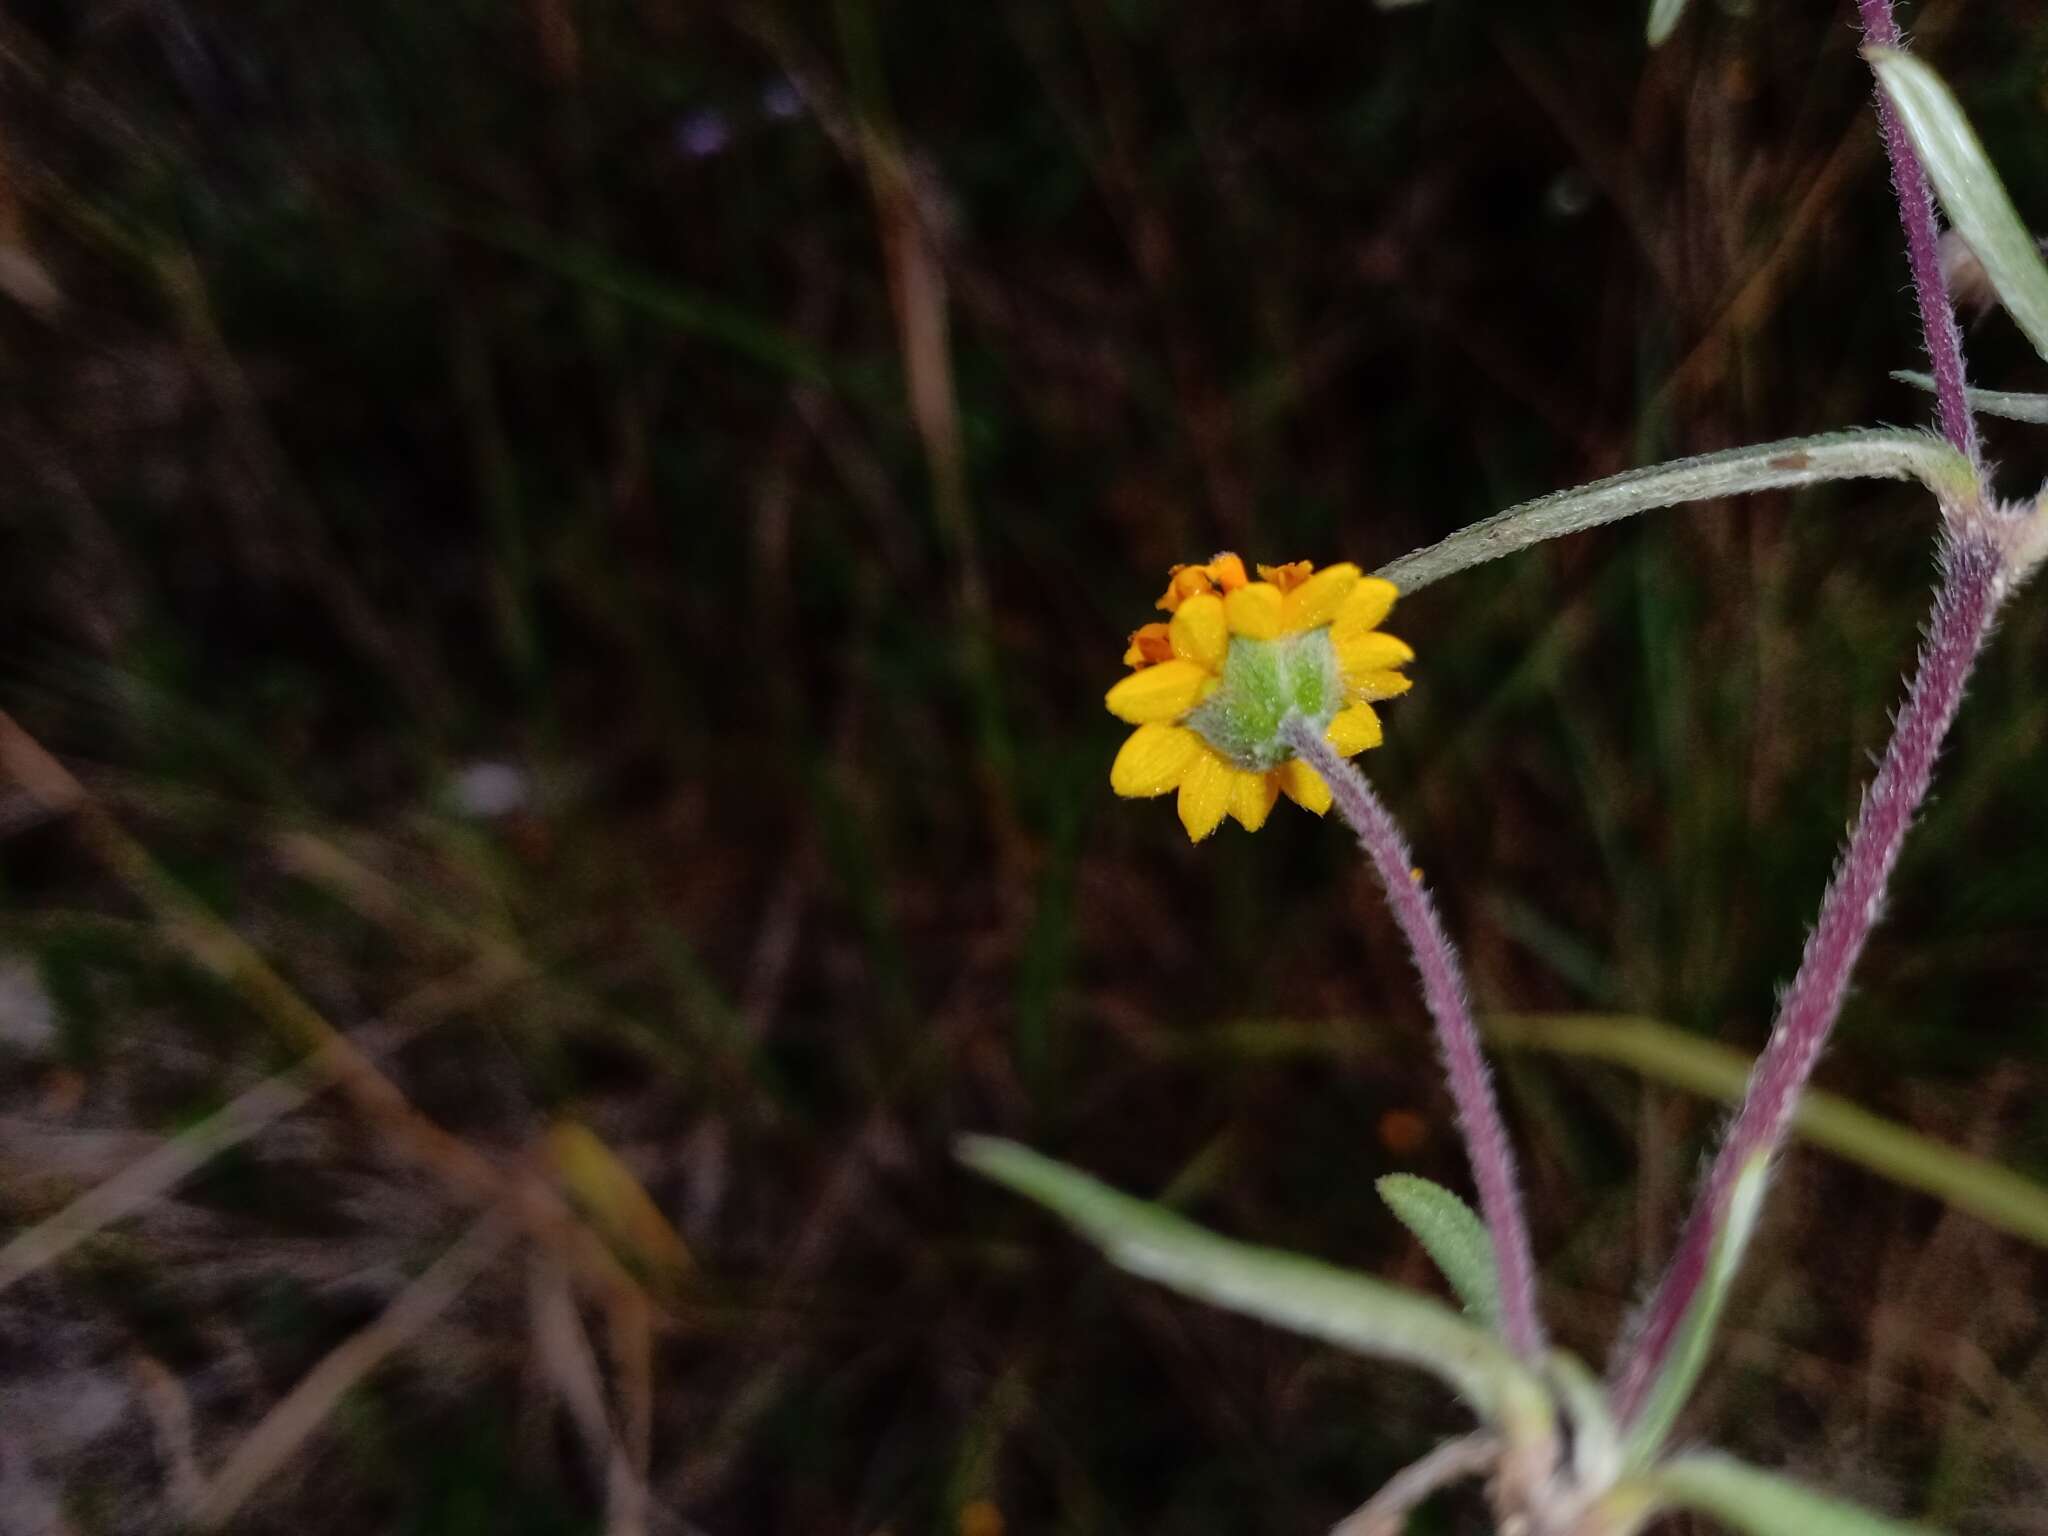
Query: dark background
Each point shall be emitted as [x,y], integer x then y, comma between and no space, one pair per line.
[755,431]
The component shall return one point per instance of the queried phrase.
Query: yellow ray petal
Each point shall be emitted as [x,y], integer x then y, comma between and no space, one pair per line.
[1159,694]
[1317,600]
[1155,759]
[1254,610]
[1372,651]
[1371,687]
[1251,798]
[1368,603]
[1205,794]
[1355,730]
[1200,632]
[1304,786]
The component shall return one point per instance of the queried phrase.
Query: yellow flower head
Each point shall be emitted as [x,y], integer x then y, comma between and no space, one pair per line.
[1210,690]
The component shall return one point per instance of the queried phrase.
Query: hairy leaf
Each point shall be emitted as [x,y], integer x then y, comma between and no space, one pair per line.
[1451,1232]
[1292,1292]
[1797,461]
[1758,1503]
[1688,1357]
[1664,15]
[2013,405]
[1969,188]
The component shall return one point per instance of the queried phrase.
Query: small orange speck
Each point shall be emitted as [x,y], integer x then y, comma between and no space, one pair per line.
[1402,1132]
[980,1517]
[1415,874]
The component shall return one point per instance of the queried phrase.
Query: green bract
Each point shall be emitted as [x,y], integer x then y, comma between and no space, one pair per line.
[1263,682]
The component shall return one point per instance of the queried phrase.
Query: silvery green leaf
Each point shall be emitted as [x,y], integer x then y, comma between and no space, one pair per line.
[1969,188]
[1792,462]
[1688,1357]
[1353,1311]
[1596,1449]
[1664,16]
[1453,1236]
[1759,1503]
[2012,405]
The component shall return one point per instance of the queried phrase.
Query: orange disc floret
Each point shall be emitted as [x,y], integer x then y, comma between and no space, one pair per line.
[1288,577]
[1224,574]
[1150,645]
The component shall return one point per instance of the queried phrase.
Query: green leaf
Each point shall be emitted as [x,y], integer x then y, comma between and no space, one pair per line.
[1969,188]
[1664,16]
[1453,1236]
[1353,1311]
[2012,405]
[1760,1503]
[1596,1455]
[1797,461]
[1992,1194]
[1688,1357]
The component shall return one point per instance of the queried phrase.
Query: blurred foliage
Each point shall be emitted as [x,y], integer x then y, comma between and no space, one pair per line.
[551,387]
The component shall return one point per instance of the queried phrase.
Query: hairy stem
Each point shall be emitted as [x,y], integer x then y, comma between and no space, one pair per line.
[1930,289]
[1443,990]
[1974,580]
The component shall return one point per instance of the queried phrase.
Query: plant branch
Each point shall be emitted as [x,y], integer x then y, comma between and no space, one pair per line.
[1916,213]
[1443,990]
[1974,580]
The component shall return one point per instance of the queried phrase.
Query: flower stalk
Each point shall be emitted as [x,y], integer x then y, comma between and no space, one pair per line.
[1976,574]
[1974,581]
[1930,289]
[1443,989]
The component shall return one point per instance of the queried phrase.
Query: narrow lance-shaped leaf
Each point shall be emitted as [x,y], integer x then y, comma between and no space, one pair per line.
[1688,1355]
[1454,1237]
[1793,462]
[1664,15]
[1742,1498]
[1596,1449]
[2011,404]
[1969,188]
[1292,1292]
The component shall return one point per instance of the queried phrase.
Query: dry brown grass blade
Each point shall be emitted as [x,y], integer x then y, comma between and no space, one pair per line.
[286,1427]
[630,1322]
[170,1415]
[571,1368]
[162,1170]
[210,942]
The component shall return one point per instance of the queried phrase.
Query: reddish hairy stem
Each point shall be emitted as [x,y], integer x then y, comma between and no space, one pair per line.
[1973,582]
[1443,990]
[1930,288]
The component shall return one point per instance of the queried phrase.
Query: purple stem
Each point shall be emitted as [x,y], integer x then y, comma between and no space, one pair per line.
[1443,989]
[1973,574]
[1916,213]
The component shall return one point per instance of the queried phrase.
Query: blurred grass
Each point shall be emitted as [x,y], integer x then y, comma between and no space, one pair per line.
[533,391]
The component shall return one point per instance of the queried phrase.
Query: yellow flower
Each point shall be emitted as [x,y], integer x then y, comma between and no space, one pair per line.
[1210,690]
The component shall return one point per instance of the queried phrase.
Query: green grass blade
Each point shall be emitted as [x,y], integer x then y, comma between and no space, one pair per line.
[1353,1311]
[1664,16]
[1790,463]
[1992,1194]
[1969,188]
[1761,1503]
[696,314]
[1454,1237]
[2013,405]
